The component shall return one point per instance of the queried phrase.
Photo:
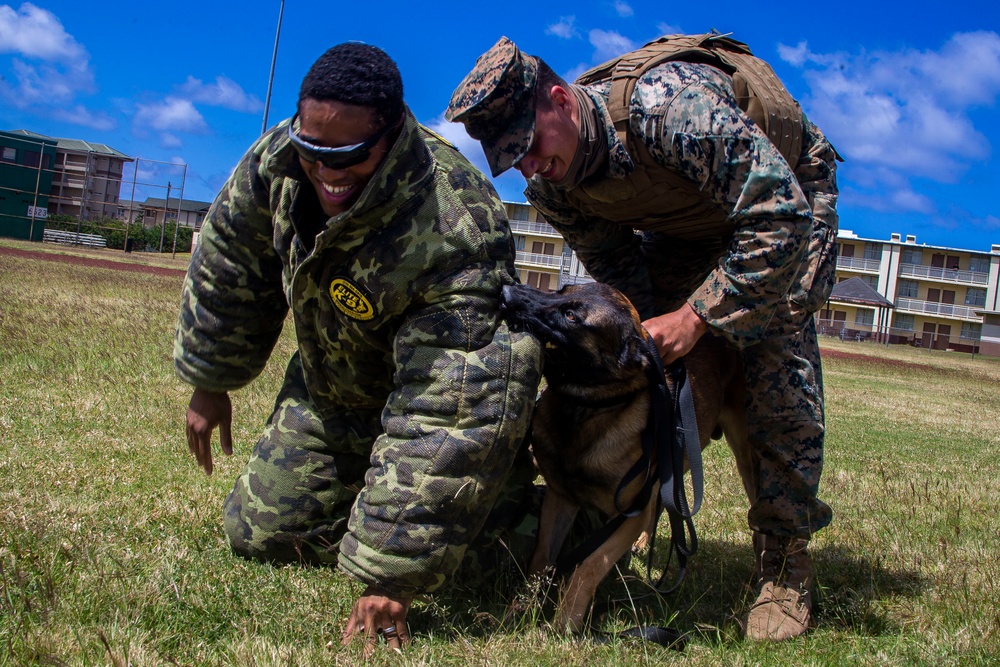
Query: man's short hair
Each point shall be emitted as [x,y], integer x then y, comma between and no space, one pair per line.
[358,74]
[546,79]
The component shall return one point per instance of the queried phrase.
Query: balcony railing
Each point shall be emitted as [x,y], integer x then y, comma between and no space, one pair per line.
[935,308]
[539,260]
[858,264]
[944,275]
[567,279]
[533,228]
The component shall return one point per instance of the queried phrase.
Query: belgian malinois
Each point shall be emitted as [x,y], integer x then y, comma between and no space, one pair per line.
[588,423]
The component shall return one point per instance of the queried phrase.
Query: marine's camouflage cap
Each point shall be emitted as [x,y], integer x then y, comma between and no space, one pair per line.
[496,103]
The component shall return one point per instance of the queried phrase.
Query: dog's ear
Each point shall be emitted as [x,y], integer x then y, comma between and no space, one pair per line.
[634,352]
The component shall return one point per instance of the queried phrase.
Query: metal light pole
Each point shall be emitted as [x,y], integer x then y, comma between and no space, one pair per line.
[177,223]
[274,59]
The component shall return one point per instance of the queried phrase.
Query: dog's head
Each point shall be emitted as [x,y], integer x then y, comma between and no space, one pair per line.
[590,332]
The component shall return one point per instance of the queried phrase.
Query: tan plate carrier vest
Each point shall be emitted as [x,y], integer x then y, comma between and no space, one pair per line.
[759,92]
[653,198]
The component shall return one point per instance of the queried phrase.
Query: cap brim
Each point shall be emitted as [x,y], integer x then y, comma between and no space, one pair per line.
[513,143]
[501,160]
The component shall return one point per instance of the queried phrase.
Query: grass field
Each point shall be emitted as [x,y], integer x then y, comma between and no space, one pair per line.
[112,552]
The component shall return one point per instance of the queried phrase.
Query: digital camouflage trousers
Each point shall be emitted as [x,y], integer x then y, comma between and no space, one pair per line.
[784,396]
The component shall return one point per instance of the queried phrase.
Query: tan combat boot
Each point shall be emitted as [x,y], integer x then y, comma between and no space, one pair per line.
[784,576]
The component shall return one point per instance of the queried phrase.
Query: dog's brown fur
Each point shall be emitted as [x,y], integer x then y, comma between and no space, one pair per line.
[589,420]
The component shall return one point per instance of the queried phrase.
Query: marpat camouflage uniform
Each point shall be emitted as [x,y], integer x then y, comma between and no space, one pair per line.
[756,285]
[408,400]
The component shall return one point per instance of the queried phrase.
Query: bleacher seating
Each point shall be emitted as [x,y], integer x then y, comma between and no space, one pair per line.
[73,238]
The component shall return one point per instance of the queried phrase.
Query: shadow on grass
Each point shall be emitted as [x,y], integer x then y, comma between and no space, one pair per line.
[715,594]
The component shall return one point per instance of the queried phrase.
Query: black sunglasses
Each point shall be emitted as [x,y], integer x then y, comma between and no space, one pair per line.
[340,157]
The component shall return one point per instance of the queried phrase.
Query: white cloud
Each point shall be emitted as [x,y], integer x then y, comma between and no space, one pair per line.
[669,29]
[80,115]
[44,84]
[623,8]
[223,93]
[609,44]
[794,55]
[49,70]
[172,115]
[903,112]
[565,28]
[37,33]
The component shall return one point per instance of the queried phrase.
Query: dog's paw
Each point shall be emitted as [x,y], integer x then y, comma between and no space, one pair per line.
[642,542]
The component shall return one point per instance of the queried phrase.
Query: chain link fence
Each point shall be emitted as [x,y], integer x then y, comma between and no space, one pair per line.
[931,340]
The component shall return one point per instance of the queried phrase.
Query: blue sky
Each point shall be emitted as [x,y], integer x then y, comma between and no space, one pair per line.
[907,92]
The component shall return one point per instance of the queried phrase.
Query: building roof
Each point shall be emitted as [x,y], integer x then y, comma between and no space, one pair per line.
[911,241]
[855,290]
[22,135]
[190,205]
[77,145]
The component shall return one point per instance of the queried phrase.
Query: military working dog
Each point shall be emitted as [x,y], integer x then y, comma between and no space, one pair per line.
[588,423]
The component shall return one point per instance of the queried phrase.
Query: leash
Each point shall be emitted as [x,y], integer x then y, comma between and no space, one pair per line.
[677,438]
[671,433]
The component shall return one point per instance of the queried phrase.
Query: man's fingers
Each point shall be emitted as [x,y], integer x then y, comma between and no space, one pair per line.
[402,637]
[371,641]
[226,437]
[348,634]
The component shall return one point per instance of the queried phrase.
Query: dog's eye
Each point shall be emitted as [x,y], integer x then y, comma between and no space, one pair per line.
[570,315]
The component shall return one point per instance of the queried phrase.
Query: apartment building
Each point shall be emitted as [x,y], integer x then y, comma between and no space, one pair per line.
[86,177]
[902,293]
[543,260]
[940,296]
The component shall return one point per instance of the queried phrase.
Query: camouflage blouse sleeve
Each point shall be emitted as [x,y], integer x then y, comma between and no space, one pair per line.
[697,129]
[465,390]
[232,304]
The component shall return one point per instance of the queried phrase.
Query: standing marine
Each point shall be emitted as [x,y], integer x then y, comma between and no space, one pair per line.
[685,175]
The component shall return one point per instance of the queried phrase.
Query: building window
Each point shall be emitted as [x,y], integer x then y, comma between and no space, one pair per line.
[972,330]
[519,241]
[979,264]
[904,322]
[975,296]
[8,154]
[519,213]
[873,251]
[539,280]
[909,289]
[30,158]
[864,318]
[871,281]
[911,256]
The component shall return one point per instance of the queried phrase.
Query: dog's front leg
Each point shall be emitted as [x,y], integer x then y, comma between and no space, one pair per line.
[558,513]
[578,594]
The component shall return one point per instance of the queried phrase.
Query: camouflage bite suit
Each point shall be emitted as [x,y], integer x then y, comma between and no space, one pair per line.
[405,407]
[754,259]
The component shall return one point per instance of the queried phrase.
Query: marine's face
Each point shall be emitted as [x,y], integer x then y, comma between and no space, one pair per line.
[333,124]
[556,139]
